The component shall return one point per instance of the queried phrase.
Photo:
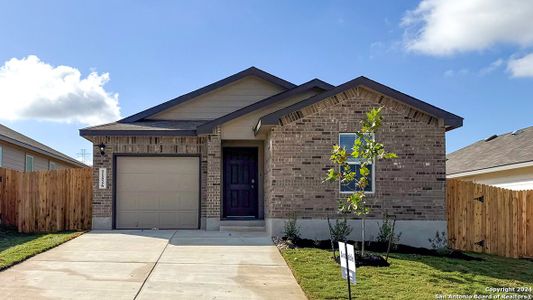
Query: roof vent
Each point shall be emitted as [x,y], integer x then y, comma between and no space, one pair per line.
[516,132]
[490,138]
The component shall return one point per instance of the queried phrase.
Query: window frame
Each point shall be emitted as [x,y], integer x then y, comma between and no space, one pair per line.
[358,162]
[26,163]
[50,164]
[1,156]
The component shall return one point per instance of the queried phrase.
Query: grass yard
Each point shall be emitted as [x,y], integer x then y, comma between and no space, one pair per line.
[408,277]
[16,247]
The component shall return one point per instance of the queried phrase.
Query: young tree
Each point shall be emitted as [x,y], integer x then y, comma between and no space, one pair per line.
[366,151]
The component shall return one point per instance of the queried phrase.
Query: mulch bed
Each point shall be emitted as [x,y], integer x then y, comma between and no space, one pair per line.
[372,259]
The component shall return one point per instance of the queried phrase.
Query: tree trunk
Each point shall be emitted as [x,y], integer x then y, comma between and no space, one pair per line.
[363,236]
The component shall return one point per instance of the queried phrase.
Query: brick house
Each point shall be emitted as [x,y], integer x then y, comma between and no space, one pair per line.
[252,149]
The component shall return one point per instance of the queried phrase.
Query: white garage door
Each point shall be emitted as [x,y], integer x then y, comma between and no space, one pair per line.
[157,192]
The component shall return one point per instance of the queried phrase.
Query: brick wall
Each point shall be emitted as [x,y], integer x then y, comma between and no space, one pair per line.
[205,146]
[297,154]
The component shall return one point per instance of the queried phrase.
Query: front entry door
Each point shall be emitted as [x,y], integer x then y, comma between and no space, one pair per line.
[240,182]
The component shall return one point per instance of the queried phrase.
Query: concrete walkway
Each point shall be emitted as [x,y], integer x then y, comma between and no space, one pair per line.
[155,265]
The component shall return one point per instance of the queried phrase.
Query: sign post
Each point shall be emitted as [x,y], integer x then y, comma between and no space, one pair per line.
[347,258]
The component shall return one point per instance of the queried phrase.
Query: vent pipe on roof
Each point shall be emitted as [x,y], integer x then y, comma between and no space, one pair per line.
[516,132]
[490,138]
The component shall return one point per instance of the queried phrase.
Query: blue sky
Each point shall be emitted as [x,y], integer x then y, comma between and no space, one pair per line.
[155,50]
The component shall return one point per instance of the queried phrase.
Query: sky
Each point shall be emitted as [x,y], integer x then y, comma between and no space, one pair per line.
[66,65]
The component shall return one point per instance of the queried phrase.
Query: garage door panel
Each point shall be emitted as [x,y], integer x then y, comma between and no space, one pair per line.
[128,219]
[188,201]
[129,201]
[167,201]
[169,219]
[160,192]
[187,220]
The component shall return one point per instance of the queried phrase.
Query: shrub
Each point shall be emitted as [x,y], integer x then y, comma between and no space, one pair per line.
[386,230]
[340,231]
[440,243]
[291,229]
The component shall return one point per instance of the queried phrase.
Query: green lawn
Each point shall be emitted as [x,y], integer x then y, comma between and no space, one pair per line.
[408,277]
[16,247]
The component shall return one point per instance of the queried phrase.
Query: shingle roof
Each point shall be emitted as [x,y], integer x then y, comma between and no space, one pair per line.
[144,128]
[503,150]
[11,136]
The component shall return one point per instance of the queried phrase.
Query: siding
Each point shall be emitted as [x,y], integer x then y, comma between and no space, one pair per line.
[40,163]
[221,101]
[515,179]
[242,127]
[13,158]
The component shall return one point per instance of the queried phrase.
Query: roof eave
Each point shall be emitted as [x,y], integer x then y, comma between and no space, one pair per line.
[130,132]
[491,169]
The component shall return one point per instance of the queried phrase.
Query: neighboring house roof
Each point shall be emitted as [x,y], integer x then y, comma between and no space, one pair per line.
[451,121]
[315,83]
[509,149]
[252,71]
[11,136]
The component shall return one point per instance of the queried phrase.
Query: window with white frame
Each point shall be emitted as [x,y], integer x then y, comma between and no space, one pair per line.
[346,141]
[1,155]
[29,163]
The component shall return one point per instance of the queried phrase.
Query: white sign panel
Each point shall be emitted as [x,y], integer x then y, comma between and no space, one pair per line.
[347,260]
[102,178]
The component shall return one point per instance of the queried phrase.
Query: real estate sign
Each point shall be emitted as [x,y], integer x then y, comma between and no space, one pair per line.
[347,258]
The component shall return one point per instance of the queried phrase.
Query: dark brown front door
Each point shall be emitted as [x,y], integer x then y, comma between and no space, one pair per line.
[240,182]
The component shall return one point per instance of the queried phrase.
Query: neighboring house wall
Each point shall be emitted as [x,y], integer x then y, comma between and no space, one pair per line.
[221,101]
[40,163]
[411,187]
[514,179]
[242,128]
[14,157]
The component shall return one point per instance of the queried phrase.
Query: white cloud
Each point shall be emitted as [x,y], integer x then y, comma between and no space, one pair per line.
[445,27]
[452,73]
[33,89]
[490,68]
[521,67]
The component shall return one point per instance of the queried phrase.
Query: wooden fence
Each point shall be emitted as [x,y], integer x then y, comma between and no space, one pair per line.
[46,201]
[488,219]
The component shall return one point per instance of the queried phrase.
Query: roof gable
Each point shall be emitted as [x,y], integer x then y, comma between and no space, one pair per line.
[451,121]
[253,71]
[312,84]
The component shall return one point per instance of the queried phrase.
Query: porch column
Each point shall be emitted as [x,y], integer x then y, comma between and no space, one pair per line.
[214,162]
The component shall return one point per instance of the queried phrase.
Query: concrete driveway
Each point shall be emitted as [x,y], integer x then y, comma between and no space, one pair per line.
[155,265]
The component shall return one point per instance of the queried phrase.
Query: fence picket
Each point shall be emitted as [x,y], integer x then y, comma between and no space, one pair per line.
[46,201]
[504,220]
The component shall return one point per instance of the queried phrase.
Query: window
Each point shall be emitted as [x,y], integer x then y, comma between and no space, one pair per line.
[52,165]
[1,155]
[346,141]
[29,163]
